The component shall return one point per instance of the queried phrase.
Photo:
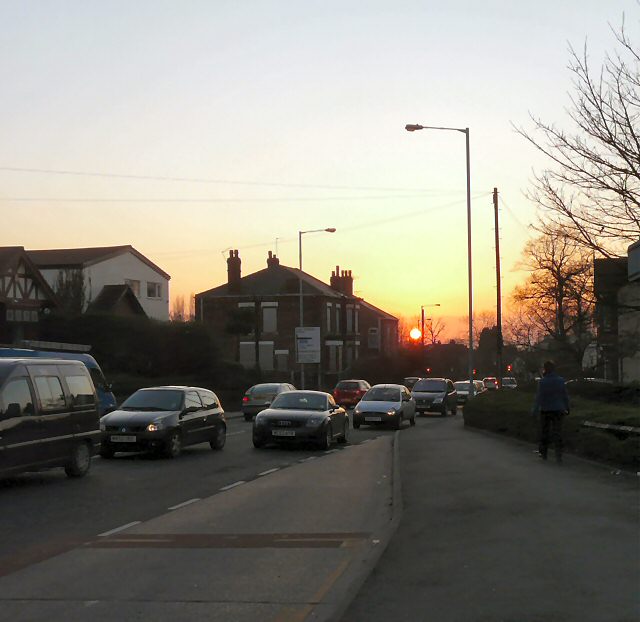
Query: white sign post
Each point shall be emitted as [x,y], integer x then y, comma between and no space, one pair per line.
[308,344]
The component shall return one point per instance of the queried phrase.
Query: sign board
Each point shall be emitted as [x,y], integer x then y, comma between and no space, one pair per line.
[308,344]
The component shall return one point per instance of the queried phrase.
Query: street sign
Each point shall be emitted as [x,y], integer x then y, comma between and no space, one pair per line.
[308,344]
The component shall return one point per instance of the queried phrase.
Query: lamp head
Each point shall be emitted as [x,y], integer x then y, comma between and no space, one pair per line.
[413,127]
[331,230]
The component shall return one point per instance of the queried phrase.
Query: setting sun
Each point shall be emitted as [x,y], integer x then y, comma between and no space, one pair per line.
[415,334]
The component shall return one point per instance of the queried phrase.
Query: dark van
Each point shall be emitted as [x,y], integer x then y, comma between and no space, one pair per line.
[48,416]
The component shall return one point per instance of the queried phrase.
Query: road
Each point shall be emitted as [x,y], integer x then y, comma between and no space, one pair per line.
[239,534]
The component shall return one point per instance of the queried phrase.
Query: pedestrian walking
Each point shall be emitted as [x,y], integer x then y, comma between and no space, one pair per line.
[552,404]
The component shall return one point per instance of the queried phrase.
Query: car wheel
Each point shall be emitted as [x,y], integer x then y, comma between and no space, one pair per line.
[356,424]
[412,421]
[247,417]
[345,435]
[80,461]
[173,446]
[107,452]
[325,443]
[257,443]
[220,438]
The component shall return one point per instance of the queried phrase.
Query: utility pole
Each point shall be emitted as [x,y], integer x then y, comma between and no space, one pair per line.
[498,289]
[422,336]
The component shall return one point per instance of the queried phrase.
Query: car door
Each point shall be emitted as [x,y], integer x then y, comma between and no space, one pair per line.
[452,396]
[337,415]
[211,411]
[193,419]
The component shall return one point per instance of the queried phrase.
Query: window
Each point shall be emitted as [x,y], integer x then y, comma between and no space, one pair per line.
[192,400]
[282,361]
[337,318]
[373,339]
[247,354]
[329,310]
[154,290]
[16,399]
[209,400]
[134,285]
[349,318]
[81,390]
[266,355]
[356,319]
[50,392]
[269,319]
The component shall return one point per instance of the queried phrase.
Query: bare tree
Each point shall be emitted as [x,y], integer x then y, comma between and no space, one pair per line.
[592,187]
[178,309]
[433,330]
[557,297]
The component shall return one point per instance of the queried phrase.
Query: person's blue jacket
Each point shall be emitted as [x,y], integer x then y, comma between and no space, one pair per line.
[552,394]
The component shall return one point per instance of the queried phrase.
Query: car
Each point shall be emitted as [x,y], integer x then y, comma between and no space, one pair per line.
[409,381]
[164,420]
[349,392]
[260,396]
[479,385]
[509,382]
[301,416]
[48,416]
[389,404]
[490,383]
[435,395]
[462,388]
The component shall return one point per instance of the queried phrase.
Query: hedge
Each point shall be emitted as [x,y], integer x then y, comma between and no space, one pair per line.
[509,412]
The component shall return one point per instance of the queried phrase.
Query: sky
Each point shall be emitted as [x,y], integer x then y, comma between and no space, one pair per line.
[186,128]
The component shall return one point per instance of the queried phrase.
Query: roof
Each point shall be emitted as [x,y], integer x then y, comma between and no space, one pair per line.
[273,281]
[10,257]
[84,257]
[384,314]
[111,295]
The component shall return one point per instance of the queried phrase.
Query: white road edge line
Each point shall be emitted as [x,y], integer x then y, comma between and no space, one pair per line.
[118,529]
[233,485]
[184,503]
[268,472]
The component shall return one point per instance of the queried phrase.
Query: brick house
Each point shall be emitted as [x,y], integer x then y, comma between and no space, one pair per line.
[254,318]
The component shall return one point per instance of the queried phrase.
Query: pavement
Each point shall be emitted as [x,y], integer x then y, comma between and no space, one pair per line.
[287,543]
[490,533]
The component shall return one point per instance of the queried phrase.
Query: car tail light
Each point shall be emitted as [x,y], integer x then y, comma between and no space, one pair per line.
[245,399]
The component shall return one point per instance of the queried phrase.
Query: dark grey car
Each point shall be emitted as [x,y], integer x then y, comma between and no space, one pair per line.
[435,395]
[260,396]
[164,419]
[307,416]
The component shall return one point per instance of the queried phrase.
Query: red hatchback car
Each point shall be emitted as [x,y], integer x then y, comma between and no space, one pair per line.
[350,392]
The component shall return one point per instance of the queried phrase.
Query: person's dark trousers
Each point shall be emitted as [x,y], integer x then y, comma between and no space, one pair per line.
[551,432]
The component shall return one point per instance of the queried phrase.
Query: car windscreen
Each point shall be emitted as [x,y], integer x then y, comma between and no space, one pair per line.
[346,385]
[300,401]
[461,386]
[430,386]
[99,380]
[382,394]
[150,399]
[263,389]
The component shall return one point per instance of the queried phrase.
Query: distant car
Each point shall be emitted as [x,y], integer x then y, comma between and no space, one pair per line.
[311,416]
[479,385]
[490,383]
[435,395]
[260,396]
[164,420]
[410,381]
[385,404]
[349,392]
[462,388]
[509,383]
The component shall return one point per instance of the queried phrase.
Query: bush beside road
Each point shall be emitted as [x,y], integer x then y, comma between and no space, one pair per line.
[509,412]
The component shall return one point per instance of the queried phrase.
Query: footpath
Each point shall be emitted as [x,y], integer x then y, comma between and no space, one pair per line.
[490,533]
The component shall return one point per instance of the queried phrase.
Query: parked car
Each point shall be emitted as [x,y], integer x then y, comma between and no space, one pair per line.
[409,381]
[104,391]
[490,383]
[311,416]
[509,383]
[48,416]
[435,395]
[385,404]
[164,420]
[462,388]
[260,396]
[349,392]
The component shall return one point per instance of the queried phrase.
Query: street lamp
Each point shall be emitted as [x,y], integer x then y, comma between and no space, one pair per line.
[300,234]
[465,131]
[422,308]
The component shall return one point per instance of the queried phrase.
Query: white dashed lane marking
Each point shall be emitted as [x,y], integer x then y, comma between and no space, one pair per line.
[268,472]
[230,486]
[184,503]
[118,529]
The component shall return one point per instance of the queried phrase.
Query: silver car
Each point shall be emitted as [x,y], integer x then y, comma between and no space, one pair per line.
[385,403]
[260,396]
[435,395]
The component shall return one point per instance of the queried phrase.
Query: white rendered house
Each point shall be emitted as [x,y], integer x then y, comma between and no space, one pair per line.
[109,265]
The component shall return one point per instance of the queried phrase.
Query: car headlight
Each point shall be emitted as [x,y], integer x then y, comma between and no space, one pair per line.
[103,427]
[391,412]
[153,427]
[259,420]
[357,411]
[314,421]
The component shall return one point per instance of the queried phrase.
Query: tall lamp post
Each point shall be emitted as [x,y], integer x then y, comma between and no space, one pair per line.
[300,234]
[465,131]
[422,308]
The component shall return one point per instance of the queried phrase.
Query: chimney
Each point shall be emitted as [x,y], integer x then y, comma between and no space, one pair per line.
[342,281]
[272,261]
[234,271]
[335,279]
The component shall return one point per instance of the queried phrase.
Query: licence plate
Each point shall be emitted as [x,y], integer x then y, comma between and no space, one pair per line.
[283,432]
[123,439]
[373,418]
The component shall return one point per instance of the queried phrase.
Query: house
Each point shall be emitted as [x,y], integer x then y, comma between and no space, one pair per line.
[25,296]
[106,266]
[255,316]
[617,292]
